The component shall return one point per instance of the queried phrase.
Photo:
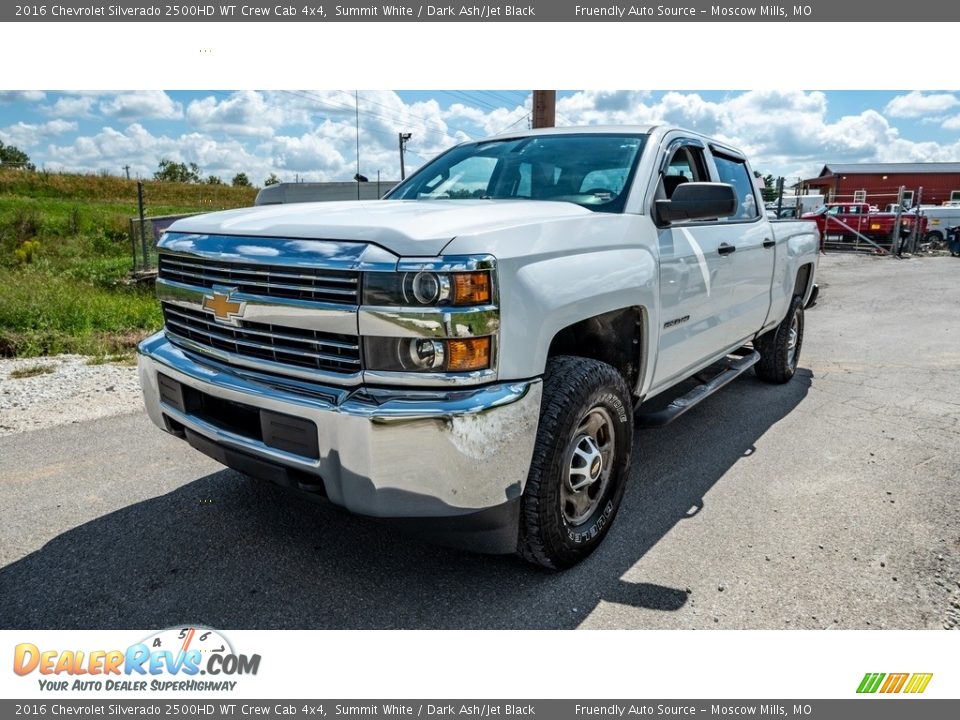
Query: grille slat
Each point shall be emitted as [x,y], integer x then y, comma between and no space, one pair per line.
[291,346]
[273,333]
[322,285]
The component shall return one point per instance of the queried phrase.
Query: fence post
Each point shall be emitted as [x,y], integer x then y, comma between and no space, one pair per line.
[143,230]
[915,235]
[133,245]
[895,240]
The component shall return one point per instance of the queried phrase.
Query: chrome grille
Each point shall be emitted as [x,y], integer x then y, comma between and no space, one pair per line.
[261,341]
[282,281]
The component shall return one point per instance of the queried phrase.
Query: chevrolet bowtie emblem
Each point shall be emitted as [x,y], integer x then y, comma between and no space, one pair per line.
[222,307]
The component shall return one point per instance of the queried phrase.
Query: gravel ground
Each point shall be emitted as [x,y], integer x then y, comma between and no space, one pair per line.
[75,391]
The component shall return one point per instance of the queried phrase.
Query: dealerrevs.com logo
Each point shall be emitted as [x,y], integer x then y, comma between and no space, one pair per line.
[170,659]
[910,683]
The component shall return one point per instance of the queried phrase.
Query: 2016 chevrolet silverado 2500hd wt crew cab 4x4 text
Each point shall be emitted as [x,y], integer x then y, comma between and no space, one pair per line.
[466,356]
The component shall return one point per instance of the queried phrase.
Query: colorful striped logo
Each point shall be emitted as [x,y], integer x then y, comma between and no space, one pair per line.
[894,683]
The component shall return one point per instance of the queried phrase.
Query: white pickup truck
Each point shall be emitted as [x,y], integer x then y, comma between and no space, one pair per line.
[469,356]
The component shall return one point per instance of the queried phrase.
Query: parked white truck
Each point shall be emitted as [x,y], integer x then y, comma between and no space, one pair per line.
[469,356]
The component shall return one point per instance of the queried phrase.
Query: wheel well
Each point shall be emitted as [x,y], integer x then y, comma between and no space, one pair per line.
[613,337]
[803,280]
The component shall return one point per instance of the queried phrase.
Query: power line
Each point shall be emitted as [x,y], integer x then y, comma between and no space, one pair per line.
[526,116]
[393,119]
[405,118]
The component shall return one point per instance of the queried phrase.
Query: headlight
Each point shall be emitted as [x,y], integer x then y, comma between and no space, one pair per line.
[423,318]
[427,354]
[427,288]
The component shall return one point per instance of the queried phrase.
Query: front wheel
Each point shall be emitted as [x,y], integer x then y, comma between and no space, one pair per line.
[580,462]
[780,348]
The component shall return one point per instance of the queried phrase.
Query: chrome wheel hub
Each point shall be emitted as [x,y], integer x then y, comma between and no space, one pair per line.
[589,461]
[792,340]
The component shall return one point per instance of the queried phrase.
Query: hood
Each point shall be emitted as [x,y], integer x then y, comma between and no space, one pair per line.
[405,227]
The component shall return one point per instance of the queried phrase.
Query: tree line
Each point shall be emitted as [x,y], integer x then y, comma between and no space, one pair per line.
[167,171]
[171,171]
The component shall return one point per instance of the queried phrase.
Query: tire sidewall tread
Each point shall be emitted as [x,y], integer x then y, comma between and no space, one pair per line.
[772,346]
[572,385]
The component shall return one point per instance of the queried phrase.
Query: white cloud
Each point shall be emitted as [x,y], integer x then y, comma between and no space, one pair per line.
[12,96]
[242,113]
[917,104]
[952,123]
[783,132]
[312,134]
[70,106]
[25,135]
[142,105]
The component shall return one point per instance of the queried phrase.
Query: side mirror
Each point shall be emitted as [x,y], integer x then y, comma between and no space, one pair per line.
[698,201]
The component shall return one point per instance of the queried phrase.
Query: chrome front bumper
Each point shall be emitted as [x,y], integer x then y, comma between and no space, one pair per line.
[385,453]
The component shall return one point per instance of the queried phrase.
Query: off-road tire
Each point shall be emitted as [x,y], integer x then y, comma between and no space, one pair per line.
[573,388]
[776,364]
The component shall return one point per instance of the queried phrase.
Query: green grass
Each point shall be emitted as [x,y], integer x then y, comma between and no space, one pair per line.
[65,256]
[46,313]
[31,371]
[118,359]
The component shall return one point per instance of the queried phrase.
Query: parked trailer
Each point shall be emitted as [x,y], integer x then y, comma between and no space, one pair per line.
[939,219]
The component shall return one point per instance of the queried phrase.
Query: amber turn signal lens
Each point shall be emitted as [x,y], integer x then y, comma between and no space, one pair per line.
[471,288]
[472,354]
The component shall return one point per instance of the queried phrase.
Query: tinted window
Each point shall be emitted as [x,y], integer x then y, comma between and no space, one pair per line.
[591,169]
[734,172]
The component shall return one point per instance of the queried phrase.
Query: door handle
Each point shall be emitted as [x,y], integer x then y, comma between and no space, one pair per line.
[768,243]
[726,249]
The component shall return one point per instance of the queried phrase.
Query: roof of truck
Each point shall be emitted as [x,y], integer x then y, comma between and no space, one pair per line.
[581,129]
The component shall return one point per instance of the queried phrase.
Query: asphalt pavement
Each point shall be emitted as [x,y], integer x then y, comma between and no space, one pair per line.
[831,502]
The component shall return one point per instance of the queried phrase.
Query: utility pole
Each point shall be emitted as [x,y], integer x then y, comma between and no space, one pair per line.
[356,105]
[403,138]
[780,196]
[544,108]
[126,169]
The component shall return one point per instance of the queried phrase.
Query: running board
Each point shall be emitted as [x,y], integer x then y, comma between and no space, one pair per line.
[679,406]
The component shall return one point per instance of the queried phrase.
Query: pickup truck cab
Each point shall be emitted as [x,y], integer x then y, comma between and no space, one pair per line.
[469,357]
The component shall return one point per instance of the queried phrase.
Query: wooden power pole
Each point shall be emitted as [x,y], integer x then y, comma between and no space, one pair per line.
[544,108]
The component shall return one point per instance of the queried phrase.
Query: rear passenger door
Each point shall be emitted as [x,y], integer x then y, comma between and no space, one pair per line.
[751,259]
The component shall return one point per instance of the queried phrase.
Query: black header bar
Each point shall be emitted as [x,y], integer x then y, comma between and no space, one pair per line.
[854,11]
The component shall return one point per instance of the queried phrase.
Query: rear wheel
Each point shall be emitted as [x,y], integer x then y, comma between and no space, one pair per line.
[780,348]
[580,463]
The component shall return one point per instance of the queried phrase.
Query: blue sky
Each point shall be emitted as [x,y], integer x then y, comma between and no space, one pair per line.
[311,134]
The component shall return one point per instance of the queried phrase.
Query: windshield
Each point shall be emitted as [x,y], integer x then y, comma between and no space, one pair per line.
[591,169]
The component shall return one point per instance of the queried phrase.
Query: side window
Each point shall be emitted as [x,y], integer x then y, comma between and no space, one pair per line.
[685,165]
[734,172]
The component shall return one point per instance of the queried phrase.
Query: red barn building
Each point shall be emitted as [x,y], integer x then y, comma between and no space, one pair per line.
[879,183]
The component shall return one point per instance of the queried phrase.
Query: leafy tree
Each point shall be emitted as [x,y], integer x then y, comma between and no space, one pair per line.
[12,155]
[272,180]
[769,190]
[241,180]
[214,180]
[170,171]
